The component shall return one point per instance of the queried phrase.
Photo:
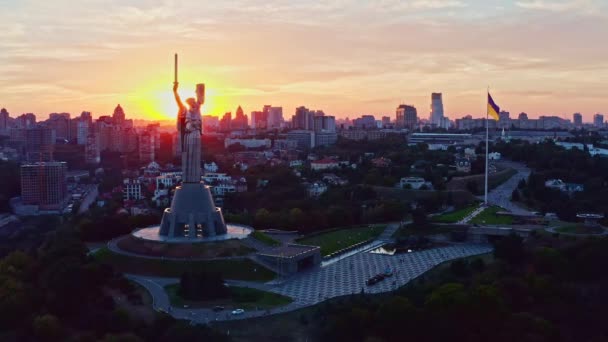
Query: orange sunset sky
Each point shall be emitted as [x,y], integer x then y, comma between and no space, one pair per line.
[345,57]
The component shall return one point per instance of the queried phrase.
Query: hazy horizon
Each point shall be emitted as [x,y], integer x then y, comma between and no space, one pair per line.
[344,57]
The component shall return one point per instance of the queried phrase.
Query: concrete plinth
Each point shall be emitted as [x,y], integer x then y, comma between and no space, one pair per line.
[192,214]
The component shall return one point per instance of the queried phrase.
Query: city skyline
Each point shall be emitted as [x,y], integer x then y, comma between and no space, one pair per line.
[319,56]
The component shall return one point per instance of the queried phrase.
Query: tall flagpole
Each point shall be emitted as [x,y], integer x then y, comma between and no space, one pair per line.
[487,138]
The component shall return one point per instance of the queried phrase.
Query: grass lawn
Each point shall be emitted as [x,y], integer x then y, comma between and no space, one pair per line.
[264,238]
[488,216]
[335,240]
[576,228]
[237,269]
[432,229]
[455,216]
[240,297]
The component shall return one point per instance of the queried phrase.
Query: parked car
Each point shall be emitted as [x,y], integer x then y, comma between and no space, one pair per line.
[375,279]
[238,312]
[218,308]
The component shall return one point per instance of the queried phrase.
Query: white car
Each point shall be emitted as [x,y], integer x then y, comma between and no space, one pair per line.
[238,312]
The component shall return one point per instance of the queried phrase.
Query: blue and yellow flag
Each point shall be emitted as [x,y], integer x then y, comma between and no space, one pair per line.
[493,109]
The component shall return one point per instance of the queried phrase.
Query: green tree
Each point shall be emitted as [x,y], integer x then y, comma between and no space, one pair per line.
[47,328]
[262,219]
[515,195]
[510,249]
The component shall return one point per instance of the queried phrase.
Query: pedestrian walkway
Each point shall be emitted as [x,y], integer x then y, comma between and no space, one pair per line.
[348,276]
[387,234]
[343,277]
[472,215]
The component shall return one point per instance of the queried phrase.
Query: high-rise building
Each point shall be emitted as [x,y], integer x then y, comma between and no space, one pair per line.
[26,120]
[504,119]
[329,124]
[43,184]
[406,117]
[91,149]
[82,132]
[210,123]
[365,122]
[259,119]
[325,124]
[119,115]
[226,122]
[436,116]
[240,121]
[39,143]
[598,120]
[318,123]
[154,130]
[275,117]
[60,122]
[577,119]
[146,147]
[4,119]
[386,121]
[86,116]
[303,119]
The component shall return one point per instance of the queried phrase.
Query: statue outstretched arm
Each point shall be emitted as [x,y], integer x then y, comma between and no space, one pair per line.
[178,100]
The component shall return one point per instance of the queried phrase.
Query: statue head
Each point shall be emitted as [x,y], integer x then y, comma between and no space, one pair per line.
[191,102]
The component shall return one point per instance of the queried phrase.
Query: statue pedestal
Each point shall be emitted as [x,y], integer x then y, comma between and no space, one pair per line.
[192,214]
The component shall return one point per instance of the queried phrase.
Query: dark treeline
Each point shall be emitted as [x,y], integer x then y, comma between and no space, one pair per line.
[549,161]
[277,198]
[59,293]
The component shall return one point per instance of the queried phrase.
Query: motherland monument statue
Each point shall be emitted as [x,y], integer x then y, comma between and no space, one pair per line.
[192,214]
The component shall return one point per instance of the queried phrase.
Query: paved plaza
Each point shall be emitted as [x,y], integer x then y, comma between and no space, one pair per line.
[344,277]
[348,276]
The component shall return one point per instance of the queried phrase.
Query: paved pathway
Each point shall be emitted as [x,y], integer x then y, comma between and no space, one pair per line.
[344,277]
[501,195]
[475,212]
[391,228]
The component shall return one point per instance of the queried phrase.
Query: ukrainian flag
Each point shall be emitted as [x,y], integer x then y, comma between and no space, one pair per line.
[493,109]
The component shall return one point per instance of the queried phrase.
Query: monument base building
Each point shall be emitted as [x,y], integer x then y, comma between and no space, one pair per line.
[192,214]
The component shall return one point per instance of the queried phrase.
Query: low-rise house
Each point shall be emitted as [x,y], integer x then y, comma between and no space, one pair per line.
[213,177]
[494,156]
[463,165]
[316,189]
[210,167]
[332,179]
[381,162]
[296,163]
[414,183]
[323,164]
[560,185]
